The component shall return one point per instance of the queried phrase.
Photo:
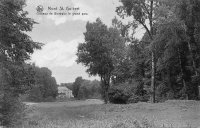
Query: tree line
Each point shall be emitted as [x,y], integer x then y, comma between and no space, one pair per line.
[164,64]
[45,87]
[84,89]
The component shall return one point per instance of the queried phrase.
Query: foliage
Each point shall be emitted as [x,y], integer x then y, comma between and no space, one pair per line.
[86,89]
[176,48]
[76,86]
[120,94]
[45,87]
[35,95]
[171,41]
[143,13]
[15,48]
[124,93]
[101,52]
[67,85]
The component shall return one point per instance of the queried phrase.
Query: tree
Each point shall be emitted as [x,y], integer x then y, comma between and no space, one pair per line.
[176,50]
[171,41]
[15,48]
[76,86]
[45,87]
[143,11]
[172,52]
[67,85]
[89,89]
[49,86]
[189,11]
[99,52]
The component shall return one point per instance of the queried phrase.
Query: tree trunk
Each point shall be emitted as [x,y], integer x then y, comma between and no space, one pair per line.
[105,87]
[182,74]
[192,57]
[169,83]
[106,97]
[151,32]
[153,72]
[153,89]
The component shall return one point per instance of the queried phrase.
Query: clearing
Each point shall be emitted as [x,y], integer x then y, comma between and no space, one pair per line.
[94,114]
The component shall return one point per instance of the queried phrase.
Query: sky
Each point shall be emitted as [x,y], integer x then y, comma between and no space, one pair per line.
[61,34]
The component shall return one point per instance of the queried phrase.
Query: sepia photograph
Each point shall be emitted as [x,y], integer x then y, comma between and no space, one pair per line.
[99,63]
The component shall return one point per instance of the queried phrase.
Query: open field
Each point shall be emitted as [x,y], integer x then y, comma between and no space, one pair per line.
[94,114]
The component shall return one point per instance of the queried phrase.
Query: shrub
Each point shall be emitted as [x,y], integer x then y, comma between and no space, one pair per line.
[120,94]
[128,93]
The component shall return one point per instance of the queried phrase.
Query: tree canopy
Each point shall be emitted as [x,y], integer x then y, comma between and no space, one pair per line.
[163,64]
[15,49]
[102,48]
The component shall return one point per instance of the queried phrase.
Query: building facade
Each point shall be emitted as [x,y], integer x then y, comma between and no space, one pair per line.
[65,92]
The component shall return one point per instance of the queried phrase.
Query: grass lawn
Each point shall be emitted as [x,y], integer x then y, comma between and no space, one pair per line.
[88,114]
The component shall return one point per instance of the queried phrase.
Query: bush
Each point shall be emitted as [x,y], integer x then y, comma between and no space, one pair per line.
[128,93]
[120,94]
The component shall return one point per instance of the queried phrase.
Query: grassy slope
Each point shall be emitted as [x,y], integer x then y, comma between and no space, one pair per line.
[77,115]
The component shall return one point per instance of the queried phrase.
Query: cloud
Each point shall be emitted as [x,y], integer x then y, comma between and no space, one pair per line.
[92,14]
[57,19]
[57,53]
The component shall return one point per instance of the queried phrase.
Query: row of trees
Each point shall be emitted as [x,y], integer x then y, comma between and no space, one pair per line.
[45,87]
[85,89]
[165,61]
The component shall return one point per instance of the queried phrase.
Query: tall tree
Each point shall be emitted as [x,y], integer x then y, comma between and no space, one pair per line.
[175,43]
[15,48]
[189,13]
[171,48]
[99,52]
[143,12]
